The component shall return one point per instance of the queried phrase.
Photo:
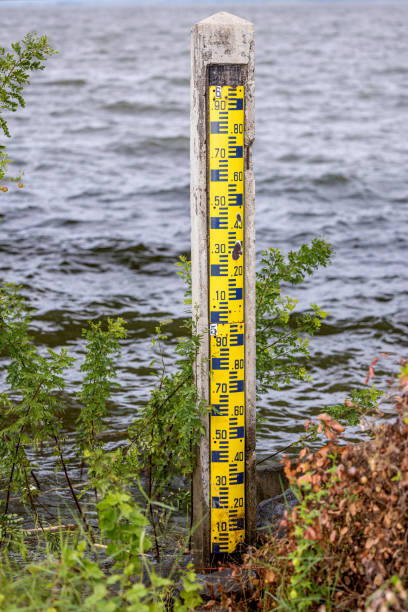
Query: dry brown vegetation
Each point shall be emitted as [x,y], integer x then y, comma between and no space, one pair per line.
[348,538]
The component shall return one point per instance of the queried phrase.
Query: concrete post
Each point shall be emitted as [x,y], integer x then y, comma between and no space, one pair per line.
[221,40]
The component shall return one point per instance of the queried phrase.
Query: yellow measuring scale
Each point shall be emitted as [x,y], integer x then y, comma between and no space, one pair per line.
[226,307]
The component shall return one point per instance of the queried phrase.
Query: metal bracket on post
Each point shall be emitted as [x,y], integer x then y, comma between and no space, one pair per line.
[223,281]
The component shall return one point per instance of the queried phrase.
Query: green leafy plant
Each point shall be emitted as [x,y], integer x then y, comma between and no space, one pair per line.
[32,411]
[168,429]
[102,350]
[170,425]
[16,66]
[75,574]
[31,416]
[282,337]
[307,555]
[361,403]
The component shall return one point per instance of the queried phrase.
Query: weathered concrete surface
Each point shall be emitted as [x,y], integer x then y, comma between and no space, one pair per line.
[270,481]
[220,39]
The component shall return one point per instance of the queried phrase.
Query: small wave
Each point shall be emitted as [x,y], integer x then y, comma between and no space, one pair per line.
[85,194]
[320,159]
[127,108]
[393,70]
[154,146]
[331,178]
[88,129]
[56,222]
[68,83]
[172,192]
[289,157]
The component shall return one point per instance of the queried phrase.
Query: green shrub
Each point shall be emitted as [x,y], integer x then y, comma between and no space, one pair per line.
[16,65]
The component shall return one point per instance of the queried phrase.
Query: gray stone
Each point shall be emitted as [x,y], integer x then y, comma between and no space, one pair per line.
[270,512]
[212,585]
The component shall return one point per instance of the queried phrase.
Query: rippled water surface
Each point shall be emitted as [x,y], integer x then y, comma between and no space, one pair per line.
[104,147]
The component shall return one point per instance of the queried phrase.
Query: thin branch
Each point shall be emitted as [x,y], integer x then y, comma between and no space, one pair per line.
[284,448]
[30,497]
[51,529]
[37,482]
[75,498]
[55,489]
[265,284]
[18,448]
[157,410]
[280,339]
[152,518]
[52,516]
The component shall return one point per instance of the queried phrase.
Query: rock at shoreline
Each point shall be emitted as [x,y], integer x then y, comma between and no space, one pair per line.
[228,580]
[271,511]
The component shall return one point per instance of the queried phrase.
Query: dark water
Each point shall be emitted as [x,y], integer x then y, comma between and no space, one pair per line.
[104,147]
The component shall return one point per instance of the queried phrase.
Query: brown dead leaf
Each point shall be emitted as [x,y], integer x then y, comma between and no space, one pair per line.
[333,536]
[336,426]
[310,534]
[304,479]
[370,374]
[324,417]
[370,543]
[330,435]
[378,580]
[270,576]
[403,382]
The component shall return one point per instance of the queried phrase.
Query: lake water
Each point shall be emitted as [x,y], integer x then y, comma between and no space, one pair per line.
[104,147]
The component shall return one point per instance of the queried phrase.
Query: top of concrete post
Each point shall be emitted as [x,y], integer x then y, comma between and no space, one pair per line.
[223,39]
[225,19]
